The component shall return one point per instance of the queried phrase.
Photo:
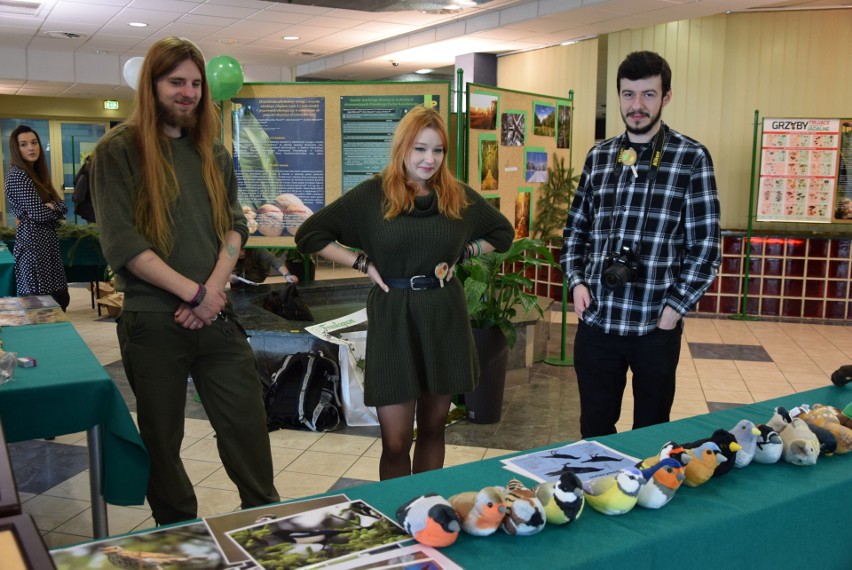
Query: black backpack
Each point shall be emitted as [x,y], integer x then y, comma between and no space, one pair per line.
[305,394]
[82,198]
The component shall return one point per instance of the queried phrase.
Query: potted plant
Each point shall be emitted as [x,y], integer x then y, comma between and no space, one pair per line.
[496,286]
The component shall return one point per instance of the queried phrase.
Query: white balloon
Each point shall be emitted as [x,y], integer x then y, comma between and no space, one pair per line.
[132,67]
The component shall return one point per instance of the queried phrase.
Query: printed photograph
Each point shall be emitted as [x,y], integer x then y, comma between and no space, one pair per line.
[415,557]
[187,546]
[586,459]
[318,536]
[483,111]
[523,213]
[513,129]
[536,166]
[493,199]
[544,120]
[563,126]
[489,174]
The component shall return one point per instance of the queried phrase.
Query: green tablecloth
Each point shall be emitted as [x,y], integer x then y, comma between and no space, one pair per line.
[8,287]
[761,516]
[69,391]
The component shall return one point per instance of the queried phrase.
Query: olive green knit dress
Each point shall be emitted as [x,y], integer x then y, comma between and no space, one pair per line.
[417,340]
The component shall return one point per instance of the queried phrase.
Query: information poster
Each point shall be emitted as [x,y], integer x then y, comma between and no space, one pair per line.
[843,204]
[279,158]
[367,126]
[798,172]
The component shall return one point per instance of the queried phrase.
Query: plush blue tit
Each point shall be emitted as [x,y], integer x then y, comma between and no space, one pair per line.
[430,519]
[563,500]
[670,449]
[661,483]
[704,460]
[746,434]
[728,446]
[615,494]
[480,513]
[801,446]
[524,512]
[769,445]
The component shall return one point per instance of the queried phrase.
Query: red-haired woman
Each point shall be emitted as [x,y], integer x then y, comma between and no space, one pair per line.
[39,209]
[409,226]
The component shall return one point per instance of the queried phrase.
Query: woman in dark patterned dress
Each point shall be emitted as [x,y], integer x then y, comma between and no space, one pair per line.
[410,225]
[39,209]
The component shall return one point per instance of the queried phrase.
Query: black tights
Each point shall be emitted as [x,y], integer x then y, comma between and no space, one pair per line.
[397,425]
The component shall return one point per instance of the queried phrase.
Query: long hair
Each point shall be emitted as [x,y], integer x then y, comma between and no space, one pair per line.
[38,171]
[152,210]
[399,190]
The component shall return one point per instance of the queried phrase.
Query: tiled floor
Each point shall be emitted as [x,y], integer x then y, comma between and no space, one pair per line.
[723,362]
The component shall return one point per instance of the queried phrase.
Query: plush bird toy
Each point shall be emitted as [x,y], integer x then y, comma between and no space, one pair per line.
[826,418]
[615,494]
[780,419]
[827,441]
[845,416]
[746,434]
[801,446]
[661,482]
[769,445]
[563,500]
[704,460]
[670,449]
[727,445]
[480,513]
[524,512]
[842,376]
[430,519]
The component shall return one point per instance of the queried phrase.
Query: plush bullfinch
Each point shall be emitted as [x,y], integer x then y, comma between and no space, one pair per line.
[430,519]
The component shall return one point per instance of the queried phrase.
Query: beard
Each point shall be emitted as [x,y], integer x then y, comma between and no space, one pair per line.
[171,117]
[643,130]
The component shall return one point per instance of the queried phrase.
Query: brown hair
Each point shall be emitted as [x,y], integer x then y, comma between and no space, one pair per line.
[399,190]
[38,171]
[152,213]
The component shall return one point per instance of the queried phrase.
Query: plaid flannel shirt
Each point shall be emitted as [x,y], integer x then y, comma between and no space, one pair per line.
[680,245]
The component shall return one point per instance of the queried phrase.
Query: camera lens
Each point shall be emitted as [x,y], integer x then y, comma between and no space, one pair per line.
[616,276]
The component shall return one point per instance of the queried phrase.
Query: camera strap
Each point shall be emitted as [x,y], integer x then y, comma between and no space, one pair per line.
[650,178]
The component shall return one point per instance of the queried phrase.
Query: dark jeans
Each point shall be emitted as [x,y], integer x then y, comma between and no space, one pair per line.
[601,362]
[158,356]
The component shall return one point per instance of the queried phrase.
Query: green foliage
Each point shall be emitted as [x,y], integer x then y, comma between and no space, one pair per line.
[493,295]
[554,200]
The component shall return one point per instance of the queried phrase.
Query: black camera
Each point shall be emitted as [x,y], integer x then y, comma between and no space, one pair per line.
[619,268]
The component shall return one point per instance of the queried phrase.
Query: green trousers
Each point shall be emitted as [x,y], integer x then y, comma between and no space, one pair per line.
[158,356]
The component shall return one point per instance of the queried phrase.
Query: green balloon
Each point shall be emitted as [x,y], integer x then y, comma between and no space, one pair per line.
[224,76]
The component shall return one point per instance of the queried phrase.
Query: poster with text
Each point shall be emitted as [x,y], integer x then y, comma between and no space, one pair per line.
[367,124]
[279,158]
[798,170]
[843,202]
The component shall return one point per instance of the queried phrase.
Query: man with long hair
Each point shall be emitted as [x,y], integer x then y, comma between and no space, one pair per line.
[39,209]
[165,196]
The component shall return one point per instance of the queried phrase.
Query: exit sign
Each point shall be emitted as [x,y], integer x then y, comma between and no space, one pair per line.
[111,105]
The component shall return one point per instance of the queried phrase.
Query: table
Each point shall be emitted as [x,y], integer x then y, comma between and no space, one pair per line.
[761,516]
[69,391]
[8,286]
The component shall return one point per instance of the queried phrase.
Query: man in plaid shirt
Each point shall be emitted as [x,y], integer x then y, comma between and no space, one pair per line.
[641,245]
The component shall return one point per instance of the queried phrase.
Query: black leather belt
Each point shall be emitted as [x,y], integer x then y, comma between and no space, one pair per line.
[416,283]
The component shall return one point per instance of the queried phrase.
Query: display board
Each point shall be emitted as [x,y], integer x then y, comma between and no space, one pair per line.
[299,146]
[805,170]
[512,138]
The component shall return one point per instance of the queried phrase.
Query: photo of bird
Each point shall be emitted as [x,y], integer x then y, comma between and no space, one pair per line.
[524,512]
[480,513]
[122,558]
[615,494]
[563,500]
[769,445]
[430,519]
[661,483]
[746,434]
